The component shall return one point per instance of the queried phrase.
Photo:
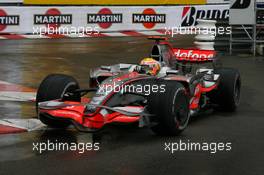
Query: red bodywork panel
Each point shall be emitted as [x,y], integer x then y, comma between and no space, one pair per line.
[194,103]
[76,113]
[95,121]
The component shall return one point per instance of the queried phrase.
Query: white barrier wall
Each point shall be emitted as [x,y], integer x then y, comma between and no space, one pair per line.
[24,19]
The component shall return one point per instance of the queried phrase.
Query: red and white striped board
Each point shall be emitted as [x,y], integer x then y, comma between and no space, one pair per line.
[8,126]
[127,33]
[14,92]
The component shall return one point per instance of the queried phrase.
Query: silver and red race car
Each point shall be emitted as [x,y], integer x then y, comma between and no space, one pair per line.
[188,82]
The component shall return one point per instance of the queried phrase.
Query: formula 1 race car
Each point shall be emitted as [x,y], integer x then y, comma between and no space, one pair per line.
[161,92]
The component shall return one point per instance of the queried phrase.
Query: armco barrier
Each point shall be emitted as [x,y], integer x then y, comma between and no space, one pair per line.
[26,20]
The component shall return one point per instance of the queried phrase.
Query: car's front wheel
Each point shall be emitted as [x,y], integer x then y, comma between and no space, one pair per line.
[54,87]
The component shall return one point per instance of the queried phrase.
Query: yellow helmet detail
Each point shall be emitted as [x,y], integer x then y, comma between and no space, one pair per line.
[152,66]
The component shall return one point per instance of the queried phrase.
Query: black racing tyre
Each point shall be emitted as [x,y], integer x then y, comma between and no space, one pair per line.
[93,83]
[53,87]
[227,94]
[171,109]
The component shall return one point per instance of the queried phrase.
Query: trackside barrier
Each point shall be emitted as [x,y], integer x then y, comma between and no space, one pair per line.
[86,35]
[113,2]
[73,20]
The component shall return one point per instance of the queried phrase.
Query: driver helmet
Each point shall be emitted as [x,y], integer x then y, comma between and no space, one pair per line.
[150,66]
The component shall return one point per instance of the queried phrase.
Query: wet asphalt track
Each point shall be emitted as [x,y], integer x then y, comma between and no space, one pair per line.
[126,150]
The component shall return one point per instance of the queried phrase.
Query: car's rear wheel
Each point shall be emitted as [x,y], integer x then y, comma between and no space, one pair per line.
[227,95]
[54,87]
[171,109]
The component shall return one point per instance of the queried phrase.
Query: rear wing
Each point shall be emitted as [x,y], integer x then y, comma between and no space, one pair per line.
[157,39]
[194,55]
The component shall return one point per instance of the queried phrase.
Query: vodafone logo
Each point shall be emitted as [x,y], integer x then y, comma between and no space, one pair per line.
[194,55]
[191,14]
[53,18]
[104,18]
[7,20]
[149,18]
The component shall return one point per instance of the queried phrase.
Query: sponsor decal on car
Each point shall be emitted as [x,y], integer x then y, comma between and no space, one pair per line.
[52,18]
[149,18]
[194,55]
[7,20]
[191,14]
[104,18]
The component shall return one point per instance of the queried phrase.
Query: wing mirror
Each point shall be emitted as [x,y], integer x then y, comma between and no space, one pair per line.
[107,68]
[172,72]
